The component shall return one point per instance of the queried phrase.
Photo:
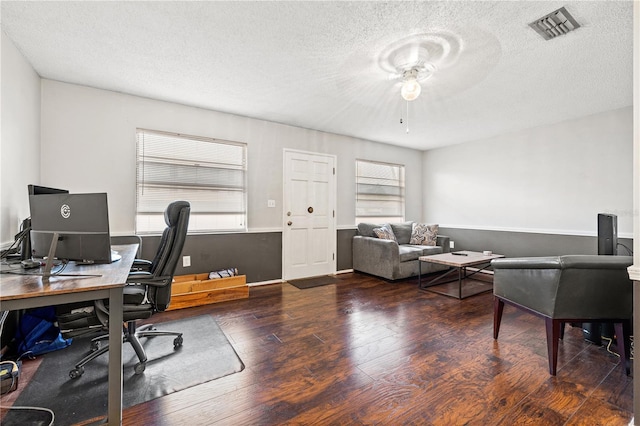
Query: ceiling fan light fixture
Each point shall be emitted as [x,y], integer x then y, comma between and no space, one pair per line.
[410,86]
[410,89]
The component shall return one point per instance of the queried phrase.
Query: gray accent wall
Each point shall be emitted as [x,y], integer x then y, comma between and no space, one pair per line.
[526,244]
[344,256]
[256,255]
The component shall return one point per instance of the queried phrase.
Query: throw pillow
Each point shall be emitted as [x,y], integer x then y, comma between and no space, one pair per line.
[423,234]
[402,231]
[385,233]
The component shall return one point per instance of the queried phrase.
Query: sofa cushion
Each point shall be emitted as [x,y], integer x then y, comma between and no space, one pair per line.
[402,231]
[385,233]
[428,250]
[424,234]
[408,253]
[366,229]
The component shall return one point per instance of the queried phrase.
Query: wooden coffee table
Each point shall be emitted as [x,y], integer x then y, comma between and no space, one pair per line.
[458,262]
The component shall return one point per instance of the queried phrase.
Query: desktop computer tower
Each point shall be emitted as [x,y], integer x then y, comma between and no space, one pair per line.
[25,244]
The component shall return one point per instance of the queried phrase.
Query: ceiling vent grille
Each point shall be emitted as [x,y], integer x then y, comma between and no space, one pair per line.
[555,24]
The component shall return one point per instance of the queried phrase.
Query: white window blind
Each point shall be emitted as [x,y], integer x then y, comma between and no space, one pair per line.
[379,192]
[208,173]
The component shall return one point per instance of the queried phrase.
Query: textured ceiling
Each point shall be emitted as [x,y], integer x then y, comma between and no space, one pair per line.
[329,65]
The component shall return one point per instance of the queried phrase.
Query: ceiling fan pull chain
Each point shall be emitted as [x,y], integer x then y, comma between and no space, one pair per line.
[407,116]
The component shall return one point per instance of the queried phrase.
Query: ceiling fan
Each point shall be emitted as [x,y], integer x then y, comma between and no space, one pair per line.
[414,59]
[437,63]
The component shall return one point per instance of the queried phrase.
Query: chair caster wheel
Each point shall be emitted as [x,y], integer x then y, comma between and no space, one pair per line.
[95,346]
[139,368]
[177,342]
[76,372]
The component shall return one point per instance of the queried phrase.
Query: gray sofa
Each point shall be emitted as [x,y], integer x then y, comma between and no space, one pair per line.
[390,260]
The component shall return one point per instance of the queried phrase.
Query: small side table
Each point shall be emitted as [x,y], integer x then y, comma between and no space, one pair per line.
[458,262]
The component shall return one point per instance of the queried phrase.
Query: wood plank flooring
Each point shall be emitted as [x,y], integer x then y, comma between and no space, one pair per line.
[366,351]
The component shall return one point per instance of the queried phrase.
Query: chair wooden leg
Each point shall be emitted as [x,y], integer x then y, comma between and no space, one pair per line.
[562,324]
[553,335]
[498,307]
[623,332]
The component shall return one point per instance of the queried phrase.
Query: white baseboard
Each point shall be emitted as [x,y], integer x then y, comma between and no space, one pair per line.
[259,283]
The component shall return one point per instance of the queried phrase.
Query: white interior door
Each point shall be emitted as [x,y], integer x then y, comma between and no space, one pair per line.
[309,235]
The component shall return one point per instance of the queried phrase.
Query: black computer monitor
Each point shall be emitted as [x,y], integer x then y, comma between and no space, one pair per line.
[81,222]
[40,190]
[24,236]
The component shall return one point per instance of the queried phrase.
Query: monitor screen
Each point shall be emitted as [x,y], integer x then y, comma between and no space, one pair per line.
[81,222]
[39,190]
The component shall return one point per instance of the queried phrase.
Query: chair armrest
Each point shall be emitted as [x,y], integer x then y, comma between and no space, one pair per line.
[596,262]
[527,263]
[376,256]
[564,262]
[146,278]
[376,248]
[141,265]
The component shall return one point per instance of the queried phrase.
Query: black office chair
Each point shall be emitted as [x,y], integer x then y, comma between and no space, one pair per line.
[148,291]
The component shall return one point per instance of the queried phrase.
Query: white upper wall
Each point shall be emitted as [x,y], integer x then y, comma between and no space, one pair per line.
[553,179]
[20,134]
[88,145]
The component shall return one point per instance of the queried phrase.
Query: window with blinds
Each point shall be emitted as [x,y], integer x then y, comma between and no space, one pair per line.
[379,192]
[209,173]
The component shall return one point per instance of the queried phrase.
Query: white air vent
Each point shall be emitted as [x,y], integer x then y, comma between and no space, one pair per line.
[555,24]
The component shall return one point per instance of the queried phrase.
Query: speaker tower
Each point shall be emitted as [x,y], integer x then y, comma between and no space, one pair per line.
[607,234]
[607,245]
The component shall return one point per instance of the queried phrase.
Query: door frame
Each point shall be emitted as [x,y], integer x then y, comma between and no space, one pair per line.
[334,201]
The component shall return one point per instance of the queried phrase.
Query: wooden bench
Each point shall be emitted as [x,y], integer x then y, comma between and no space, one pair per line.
[198,289]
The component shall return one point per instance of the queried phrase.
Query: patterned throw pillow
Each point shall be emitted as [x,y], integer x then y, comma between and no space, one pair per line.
[385,233]
[423,234]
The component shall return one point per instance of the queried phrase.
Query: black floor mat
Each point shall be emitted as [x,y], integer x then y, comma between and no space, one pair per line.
[206,355]
[304,283]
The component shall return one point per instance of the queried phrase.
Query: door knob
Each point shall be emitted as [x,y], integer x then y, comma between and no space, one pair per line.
[289,223]
[310,209]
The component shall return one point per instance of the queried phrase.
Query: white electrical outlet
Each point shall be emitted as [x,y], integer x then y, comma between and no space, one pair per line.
[452,244]
[271,203]
[186,261]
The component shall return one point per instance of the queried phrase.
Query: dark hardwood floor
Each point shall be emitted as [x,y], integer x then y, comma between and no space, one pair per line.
[366,351]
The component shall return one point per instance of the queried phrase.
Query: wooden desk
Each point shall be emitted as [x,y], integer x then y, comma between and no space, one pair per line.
[29,291]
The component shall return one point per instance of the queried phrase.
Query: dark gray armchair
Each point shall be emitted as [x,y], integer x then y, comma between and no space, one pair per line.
[576,288]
